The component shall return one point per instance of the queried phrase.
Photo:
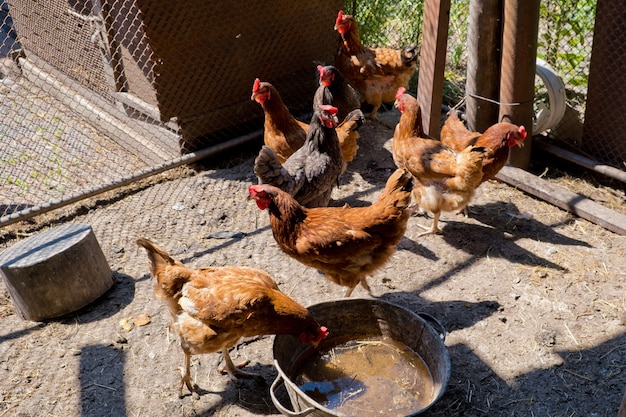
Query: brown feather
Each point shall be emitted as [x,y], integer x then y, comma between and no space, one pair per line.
[498,138]
[212,308]
[376,73]
[445,180]
[346,243]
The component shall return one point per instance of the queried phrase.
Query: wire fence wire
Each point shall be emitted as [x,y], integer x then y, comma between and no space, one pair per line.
[95,92]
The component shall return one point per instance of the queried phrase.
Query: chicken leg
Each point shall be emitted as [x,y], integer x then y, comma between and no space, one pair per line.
[434,229]
[230,368]
[235,371]
[186,377]
[363,284]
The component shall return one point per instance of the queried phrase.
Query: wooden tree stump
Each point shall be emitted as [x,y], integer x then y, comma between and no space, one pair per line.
[55,272]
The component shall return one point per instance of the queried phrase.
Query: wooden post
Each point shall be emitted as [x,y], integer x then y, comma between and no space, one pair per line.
[517,85]
[484,44]
[432,63]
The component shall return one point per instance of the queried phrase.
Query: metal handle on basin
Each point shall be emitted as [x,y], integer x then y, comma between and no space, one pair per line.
[280,407]
[439,328]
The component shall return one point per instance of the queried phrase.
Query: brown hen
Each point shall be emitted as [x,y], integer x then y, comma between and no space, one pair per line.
[212,308]
[499,138]
[346,243]
[281,130]
[445,180]
[376,73]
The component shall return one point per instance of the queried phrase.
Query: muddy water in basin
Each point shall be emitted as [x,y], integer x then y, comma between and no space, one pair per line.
[369,377]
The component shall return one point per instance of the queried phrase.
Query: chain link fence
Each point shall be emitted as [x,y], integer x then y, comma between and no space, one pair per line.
[96,93]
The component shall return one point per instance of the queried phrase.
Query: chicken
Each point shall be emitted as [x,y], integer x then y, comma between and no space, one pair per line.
[499,138]
[311,172]
[425,158]
[348,135]
[284,134]
[376,73]
[281,130]
[445,180]
[334,90]
[346,243]
[212,308]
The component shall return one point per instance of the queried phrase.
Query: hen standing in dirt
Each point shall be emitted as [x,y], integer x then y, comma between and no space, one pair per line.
[212,308]
[376,73]
[445,180]
[346,243]
[310,174]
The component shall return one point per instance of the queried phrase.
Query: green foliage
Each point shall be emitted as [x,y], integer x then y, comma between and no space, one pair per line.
[394,24]
[457,35]
[565,38]
[564,41]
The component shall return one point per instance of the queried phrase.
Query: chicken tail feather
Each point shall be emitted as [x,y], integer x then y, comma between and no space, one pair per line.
[409,55]
[268,168]
[352,121]
[398,189]
[469,168]
[159,259]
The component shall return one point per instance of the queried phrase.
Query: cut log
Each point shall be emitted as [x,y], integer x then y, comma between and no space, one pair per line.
[55,272]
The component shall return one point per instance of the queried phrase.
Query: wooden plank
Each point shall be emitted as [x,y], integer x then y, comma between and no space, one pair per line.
[564,199]
[432,63]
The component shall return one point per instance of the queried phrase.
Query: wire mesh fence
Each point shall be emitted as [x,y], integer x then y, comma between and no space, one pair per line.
[96,91]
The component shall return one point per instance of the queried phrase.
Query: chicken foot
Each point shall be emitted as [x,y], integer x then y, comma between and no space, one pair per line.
[434,229]
[363,284]
[185,379]
[235,371]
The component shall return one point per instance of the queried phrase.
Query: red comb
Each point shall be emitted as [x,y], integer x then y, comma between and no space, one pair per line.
[323,331]
[328,108]
[255,87]
[401,91]
[339,17]
[522,131]
[321,70]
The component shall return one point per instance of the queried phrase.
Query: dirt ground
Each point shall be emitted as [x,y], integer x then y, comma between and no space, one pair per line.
[532,297]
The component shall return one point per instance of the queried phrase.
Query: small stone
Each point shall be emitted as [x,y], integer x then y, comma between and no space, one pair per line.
[550,250]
